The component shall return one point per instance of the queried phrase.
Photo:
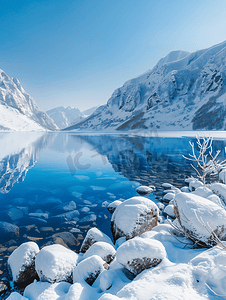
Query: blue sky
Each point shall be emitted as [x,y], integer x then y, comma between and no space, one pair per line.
[77,52]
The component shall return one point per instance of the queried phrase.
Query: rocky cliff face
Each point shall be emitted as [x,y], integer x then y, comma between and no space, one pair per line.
[15,103]
[183,91]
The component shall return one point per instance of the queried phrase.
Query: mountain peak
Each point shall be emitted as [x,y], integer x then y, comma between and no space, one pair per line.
[184,91]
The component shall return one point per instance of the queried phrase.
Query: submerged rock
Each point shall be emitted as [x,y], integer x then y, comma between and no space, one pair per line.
[133,217]
[22,264]
[8,231]
[94,235]
[139,254]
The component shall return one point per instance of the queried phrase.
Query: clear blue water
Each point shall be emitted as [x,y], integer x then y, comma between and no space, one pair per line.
[64,181]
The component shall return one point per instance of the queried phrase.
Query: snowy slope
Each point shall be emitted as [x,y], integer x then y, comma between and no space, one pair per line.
[183,91]
[18,111]
[64,116]
[89,111]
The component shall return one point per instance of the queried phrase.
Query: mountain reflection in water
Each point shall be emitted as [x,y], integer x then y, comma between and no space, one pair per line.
[147,160]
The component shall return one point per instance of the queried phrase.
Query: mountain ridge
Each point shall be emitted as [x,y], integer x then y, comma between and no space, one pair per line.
[184,91]
[18,110]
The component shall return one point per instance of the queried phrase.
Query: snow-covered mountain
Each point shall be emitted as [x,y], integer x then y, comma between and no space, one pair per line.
[183,91]
[67,116]
[64,116]
[89,111]
[18,110]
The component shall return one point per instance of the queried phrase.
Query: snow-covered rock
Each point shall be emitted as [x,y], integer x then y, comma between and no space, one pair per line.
[180,92]
[220,190]
[222,176]
[55,263]
[22,263]
[203,191]
[47,291]
[94,235]
[169,210]
[168,197]
[194,184]
[113,205]
[214,198]
[145,190]
[139,254]
[209,268]
[105,250]
[16,296]
[167,185]
[133,217]
[18,110]
[89,269]
[185,189]
[192,210]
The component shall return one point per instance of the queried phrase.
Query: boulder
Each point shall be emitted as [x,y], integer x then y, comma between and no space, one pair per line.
[94,235]
[55,263]
[113,205]
[89,269]
[194,184]
[47,291]
[63,238]
[139,254]
[194,213]
[8,231]
[169,211]
[21,263]
[220,190]
[105,250]
[145,190]
[222,176]
[203,191]
[16,296]
[133,217]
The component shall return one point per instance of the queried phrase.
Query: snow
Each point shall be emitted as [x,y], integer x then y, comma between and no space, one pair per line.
[90,267]
[55,263]
[113,205]
[127,213]
[171,96]
[18,111]
[222,176]
[169,197]
[105,250]
[193,209]
[16,296]
[144,190]
[139,248]
[194,184]
[94,235]
[46,291]
[169,210]
[13,120]
[220,190]
[64,116]
[21,257]
[203,191]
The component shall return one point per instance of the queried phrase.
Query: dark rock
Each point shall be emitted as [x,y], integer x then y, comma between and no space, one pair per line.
[8,231]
